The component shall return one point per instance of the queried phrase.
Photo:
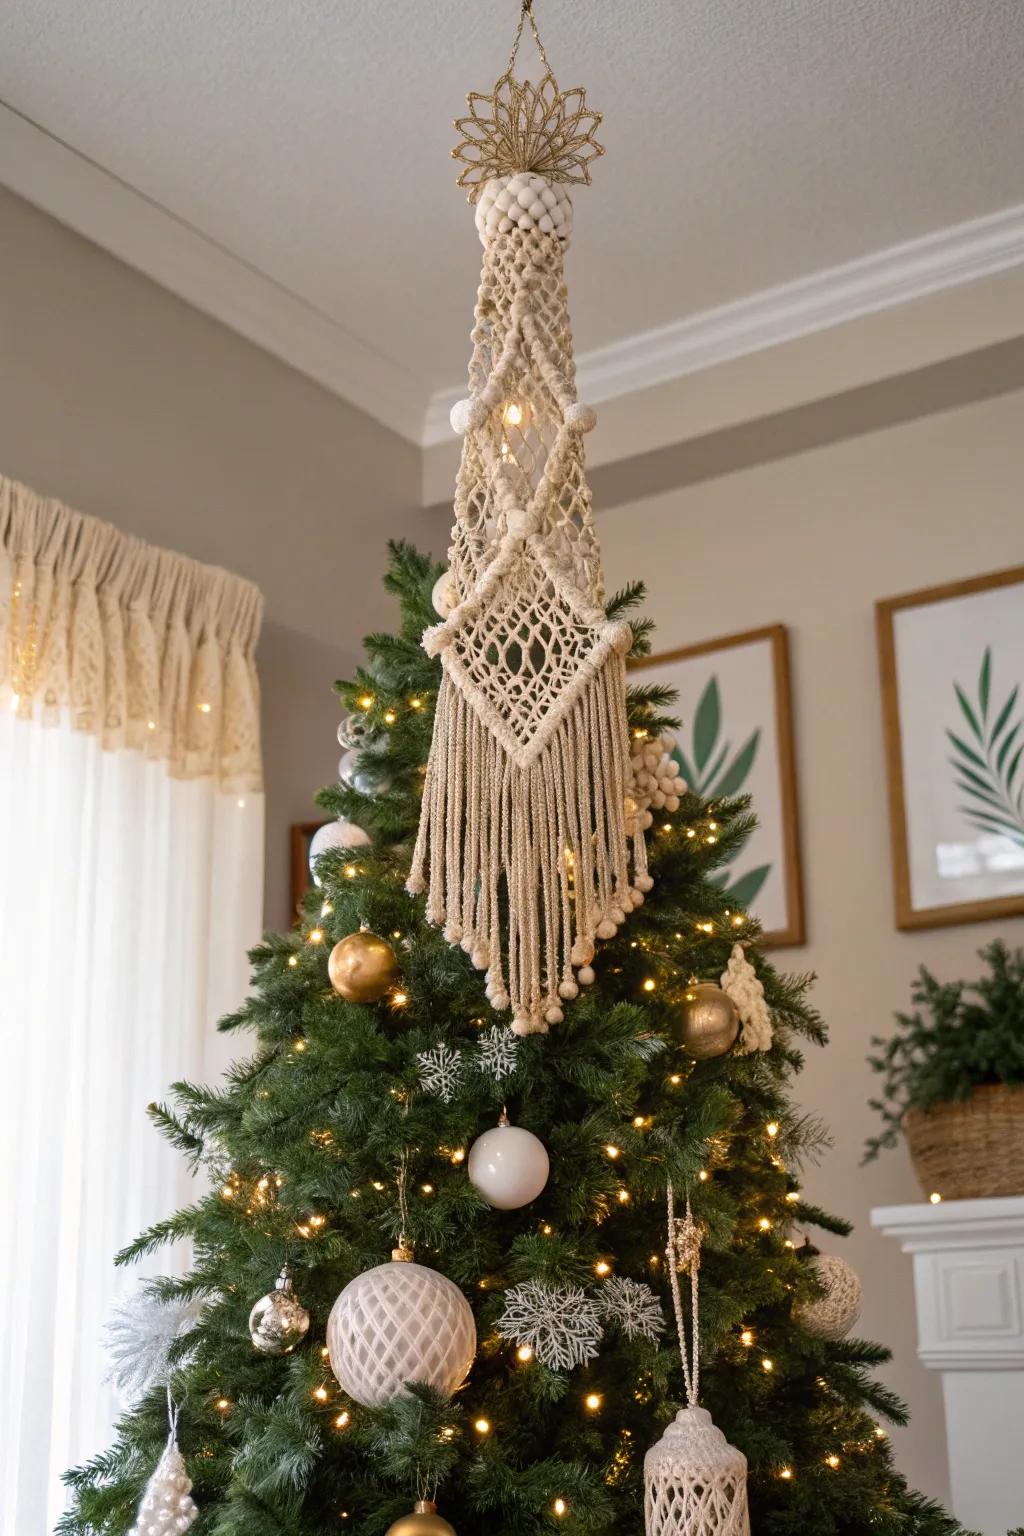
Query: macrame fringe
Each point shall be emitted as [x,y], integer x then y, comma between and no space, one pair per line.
[540,851]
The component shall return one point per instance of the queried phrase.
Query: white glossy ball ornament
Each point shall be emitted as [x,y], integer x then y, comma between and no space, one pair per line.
[444,596]
[335,834]
[509,1166]
[400,1323]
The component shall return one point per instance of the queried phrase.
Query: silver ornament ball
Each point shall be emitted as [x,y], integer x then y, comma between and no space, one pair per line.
[278,1321]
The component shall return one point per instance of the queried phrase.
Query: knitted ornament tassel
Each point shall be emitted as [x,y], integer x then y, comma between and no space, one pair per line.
[523,847]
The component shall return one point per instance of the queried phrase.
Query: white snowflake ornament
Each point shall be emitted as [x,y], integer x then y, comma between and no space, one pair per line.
[440,1071]
[560,1323]
[739,980]
[630,1306]
[498,1052]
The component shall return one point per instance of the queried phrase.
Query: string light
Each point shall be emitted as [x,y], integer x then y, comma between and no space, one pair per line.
[315,936]
[638,1121]
[768,1365]
[593,1401]
[786,1473]
[546,1230]
[793,1196]
[298,1045]
[293,959]
[321,1394]
[415,702]
[350,871]
[624,1196]
[204,708]
[772,1128]
[342,1419]
[560,1507]
[764,1224]
[832,1461]
[675,1079]
[482,1426]
[390,717]
[513,414]
[428,1189]
[524,1353]
[602,1267]
[378,1186]
[222,1404]
[227,1193]
[399,999]
[459,1155]
[703,1176]
[365,701]
[747,1337]
[612,1151]
[935,1198]
[879,1432]
[649,984]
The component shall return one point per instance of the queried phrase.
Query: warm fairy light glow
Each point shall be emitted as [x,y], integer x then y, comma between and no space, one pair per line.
[350,871]
[399,999]
[593,1401]
[293,959]
[524,1353]
[654,1260]
[482,1426]
[321,1394]
[772,1128]
[738,920]
[459,1155]
[612,1151]
[638,1121]
[365,701]
[935,1197]
[639,734]
[316,935]
[513,414]
[298,1045]
[390,717]
[747,1337]
[786,1473]
[316,1221]
[560,1507]
[703,1176]
[879,1432]
[204,708]
[602,1267]
[706,927]
[649,984]
[690,832]
[793,1196]
[448,1433]
[767,1365]
[150,724]
[789,1243]
[378,1185]
[326,909]
[546,1230]
[415,702]
[832,1461]
[623,1196]
[342,1419]
[222,1405]
[713,826]
[428,1189]
[764,1224]
[675,1079]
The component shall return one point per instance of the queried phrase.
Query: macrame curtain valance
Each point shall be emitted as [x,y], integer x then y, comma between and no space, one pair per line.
[137,645]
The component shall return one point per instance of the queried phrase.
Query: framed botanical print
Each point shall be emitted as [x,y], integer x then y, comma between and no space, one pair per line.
[301,837]
[952,675]
[737,738]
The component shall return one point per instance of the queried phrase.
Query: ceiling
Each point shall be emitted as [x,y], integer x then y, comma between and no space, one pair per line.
[284,163]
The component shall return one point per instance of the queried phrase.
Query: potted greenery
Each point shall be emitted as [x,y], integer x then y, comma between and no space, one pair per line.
[953,1081]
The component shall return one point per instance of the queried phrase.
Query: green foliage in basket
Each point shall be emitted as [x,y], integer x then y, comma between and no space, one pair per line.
[959,1036]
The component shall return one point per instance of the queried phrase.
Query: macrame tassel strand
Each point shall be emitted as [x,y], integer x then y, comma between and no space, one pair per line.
[523,849]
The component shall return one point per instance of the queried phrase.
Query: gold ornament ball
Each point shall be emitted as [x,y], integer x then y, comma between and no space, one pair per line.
[362,967]
[709,1022]
[423,1521]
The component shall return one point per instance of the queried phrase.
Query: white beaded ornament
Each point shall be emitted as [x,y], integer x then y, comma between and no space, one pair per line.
[398,1323]
[167,1504]
[695,1482]
[656,782]
[832,1315]
[524,201]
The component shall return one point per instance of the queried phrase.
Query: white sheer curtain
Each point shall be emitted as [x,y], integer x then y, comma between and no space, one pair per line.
[129,894]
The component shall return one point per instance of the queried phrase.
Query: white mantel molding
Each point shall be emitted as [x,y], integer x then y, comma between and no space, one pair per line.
[968,1260]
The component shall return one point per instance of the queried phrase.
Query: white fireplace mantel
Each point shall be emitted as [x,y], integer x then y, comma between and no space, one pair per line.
[969,1284]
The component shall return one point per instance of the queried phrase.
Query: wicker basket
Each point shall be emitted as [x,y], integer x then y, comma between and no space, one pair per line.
[970,1149]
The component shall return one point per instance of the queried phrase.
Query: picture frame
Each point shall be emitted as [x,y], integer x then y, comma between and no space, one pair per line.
[301,833]
[951,669]
[735,699]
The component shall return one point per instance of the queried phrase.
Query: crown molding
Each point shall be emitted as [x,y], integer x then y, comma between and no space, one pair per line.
[112,214]
[106,210]
[949,257]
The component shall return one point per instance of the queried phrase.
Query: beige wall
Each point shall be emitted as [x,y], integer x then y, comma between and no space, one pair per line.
[128,404]
[812,541]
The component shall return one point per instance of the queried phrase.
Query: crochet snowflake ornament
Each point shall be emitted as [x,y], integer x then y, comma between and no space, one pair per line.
[440,1071]
[630,1306]
[560,1323]
[498,1052]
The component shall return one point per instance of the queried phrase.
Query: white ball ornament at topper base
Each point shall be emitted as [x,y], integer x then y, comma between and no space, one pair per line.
[695,1482]
[398,1323]
[832,1315]
[444,596]
[335,834]
[509,1166]
[524,201]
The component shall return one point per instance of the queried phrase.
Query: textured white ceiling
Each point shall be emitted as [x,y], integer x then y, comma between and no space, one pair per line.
[749,142]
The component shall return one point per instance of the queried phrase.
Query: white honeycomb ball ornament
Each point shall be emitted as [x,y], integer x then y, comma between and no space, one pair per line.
[524,201]
[508,1165]
[398,1323]
[334,834]
[832,1315]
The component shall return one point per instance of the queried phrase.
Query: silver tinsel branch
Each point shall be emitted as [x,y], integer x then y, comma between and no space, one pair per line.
[139,1335]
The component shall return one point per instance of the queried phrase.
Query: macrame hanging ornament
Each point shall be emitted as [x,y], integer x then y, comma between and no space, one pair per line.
[695,1482]
[523,846]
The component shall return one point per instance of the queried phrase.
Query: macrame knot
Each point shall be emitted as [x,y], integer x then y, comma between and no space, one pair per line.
[579,417]
[436,638]
[459,416]
[522,522]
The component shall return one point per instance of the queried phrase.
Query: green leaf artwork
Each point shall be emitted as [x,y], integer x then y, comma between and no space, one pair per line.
[989,763]
[711,769]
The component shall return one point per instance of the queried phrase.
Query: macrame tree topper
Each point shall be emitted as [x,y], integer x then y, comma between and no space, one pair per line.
[695,1482]
[523,844]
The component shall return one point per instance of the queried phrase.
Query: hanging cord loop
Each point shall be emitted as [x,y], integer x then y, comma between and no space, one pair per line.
[683,1255]
[526,15]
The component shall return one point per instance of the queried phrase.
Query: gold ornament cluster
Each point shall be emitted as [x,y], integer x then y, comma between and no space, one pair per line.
[520,126]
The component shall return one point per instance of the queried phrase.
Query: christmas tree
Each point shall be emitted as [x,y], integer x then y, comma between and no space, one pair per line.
[521,1041]
[305,1145]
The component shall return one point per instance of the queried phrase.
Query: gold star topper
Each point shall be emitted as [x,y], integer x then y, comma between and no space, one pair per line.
[526,127]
